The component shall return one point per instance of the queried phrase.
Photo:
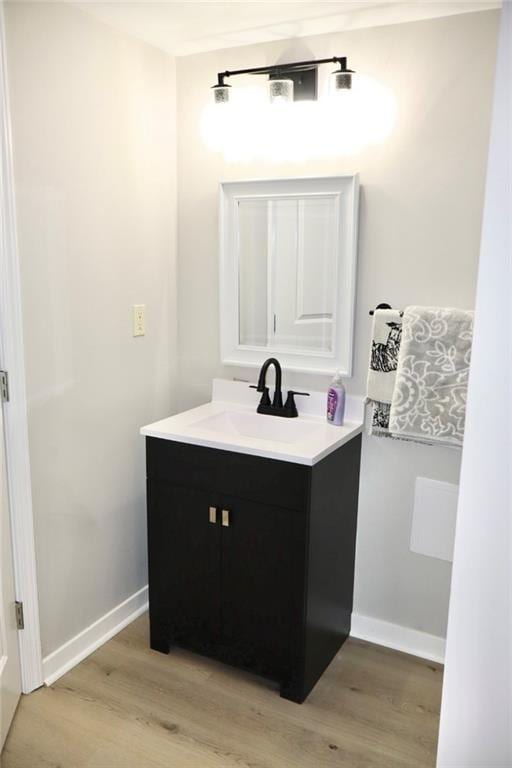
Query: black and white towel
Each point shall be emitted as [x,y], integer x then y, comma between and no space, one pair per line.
[429,398]
[386,339]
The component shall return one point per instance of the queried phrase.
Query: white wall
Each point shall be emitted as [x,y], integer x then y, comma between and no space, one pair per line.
[421,210]
[93,115]
[476,713]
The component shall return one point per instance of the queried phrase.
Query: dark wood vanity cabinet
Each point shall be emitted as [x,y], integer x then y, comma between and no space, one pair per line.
[251,560]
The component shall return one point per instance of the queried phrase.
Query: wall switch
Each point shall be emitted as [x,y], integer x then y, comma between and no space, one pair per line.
[139,325]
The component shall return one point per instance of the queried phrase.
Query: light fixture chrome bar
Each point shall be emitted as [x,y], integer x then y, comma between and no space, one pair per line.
[283,68]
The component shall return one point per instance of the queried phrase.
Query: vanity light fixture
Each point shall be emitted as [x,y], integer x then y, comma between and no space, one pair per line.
[296,81]
[297,114]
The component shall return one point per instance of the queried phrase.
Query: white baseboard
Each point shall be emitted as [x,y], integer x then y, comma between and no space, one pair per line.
[399,638]
[363,627]
[82,645]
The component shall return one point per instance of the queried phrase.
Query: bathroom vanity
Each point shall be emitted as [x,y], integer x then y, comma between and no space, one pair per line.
[252,527]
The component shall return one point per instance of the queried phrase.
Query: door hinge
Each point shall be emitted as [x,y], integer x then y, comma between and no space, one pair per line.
[20,620]
[4,387]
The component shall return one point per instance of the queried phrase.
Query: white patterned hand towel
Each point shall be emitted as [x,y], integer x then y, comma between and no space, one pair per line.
[386,335]
[429,399]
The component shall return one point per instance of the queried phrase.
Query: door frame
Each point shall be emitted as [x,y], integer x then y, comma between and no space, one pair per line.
[15,410]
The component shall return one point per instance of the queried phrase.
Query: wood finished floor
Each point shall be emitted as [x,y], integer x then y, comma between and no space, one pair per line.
[129,707]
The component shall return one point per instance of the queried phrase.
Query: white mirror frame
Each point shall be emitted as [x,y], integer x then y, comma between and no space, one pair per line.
[345,190]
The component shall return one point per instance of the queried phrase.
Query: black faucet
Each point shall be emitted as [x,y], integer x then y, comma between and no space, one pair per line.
[275,407]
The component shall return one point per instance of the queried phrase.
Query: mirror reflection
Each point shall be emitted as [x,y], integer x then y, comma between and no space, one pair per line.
[287,271]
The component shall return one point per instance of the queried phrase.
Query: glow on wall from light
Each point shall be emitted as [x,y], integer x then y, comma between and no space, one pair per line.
[341,122]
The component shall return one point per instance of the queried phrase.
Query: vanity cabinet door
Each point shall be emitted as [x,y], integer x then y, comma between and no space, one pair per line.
[263,550]
[184,568]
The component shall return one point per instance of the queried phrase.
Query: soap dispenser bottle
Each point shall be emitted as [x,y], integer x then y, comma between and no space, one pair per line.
[336,401]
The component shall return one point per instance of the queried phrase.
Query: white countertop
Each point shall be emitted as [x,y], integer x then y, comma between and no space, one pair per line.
[230,423]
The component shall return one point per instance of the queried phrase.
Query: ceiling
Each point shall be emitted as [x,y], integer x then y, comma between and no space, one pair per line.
[187,27]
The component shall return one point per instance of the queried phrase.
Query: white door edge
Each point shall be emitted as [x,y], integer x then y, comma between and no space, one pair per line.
[15,411]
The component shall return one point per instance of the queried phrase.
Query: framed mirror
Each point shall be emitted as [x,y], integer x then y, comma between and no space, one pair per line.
[288,250]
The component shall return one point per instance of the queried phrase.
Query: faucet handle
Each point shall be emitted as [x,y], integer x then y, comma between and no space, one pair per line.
[265,398]
[290,405]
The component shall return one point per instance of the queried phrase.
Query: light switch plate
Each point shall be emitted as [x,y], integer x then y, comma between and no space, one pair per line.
[433,520]
[139,322]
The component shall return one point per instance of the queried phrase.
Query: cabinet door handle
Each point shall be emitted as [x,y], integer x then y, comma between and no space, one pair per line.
[212,515]
[225,518]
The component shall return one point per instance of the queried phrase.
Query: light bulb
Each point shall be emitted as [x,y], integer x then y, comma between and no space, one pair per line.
[341,80]
[221,94]
[280,90]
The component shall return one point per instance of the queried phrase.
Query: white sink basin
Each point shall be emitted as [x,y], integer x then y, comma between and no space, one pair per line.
[230,423]
[258,426]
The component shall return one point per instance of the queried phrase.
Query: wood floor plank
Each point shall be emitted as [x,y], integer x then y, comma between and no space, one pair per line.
[129,707]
